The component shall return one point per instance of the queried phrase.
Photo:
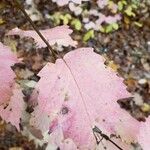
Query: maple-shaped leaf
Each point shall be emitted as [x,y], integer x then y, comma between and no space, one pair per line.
[59,35]
[78,93]
[11,97]
[144,134]
[7,59]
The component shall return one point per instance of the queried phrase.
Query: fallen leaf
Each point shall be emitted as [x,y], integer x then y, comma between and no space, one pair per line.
[65,2]
[61,38]
[79,92]
[7,59]
[11,97]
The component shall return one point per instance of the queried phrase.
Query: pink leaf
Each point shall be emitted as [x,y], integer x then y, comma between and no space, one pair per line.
[7,59]
[101,19]
[57,139]
[144,135]
[112,19]
[79,92]
[107,19]
[102,3]
[65,2]
[13,112]
[59,35]
[11,97]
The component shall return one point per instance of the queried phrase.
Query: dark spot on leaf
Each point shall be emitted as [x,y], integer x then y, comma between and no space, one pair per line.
[49,132]
[5,106]
[11,86]
[64,110]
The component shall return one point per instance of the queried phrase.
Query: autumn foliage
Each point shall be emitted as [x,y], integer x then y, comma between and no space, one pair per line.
[75,94]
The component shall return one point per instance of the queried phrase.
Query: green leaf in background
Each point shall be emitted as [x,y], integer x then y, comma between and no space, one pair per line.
[77,24]
[65,18]
[138,24]
[136,2]
[115,26]
[129,11]
[134,6]
[88,35]
[102,29]
[124,2]
[56,18]
[120,5]
[109,28]
[111,5]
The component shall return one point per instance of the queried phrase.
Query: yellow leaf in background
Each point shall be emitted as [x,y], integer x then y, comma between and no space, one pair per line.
[138,24]
[88,35]
[102,29]
[77,24]
[2,5]
[129,11]
[1,21]
[145,107]
[114,66]
[124,2]
[126,20]
[65,18]
[111,6]
[11,43]
[120,5]
[115,26]
[109,28]
[56,18]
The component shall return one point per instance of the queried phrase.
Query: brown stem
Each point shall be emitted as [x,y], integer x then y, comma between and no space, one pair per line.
[97,130]
[35,28]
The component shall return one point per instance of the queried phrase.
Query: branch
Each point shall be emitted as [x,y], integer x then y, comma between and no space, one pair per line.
[18,5]
[97,130]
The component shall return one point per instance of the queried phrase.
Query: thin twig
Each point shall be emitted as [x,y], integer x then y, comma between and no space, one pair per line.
[35,28]
[97,130]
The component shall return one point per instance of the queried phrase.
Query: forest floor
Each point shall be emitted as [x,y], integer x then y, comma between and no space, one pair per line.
[126,50]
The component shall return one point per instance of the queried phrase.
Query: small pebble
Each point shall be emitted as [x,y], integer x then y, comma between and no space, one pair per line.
[142,81]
